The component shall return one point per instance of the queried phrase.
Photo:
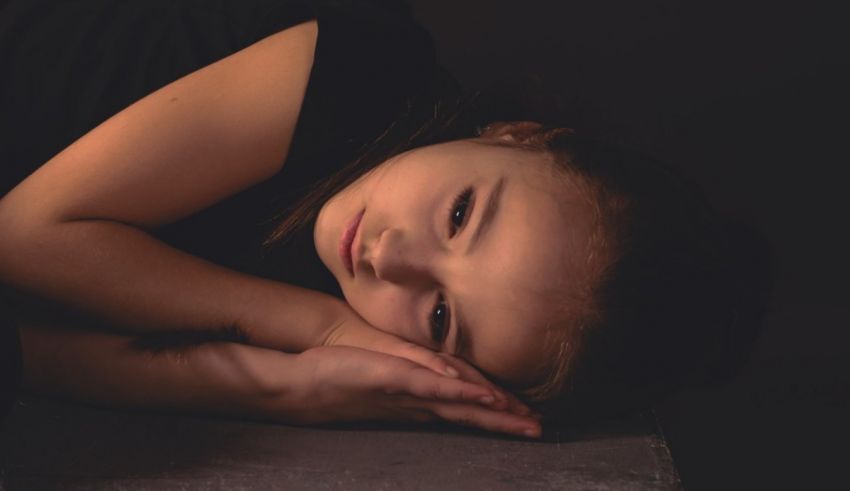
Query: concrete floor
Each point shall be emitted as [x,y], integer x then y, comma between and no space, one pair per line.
[49,445]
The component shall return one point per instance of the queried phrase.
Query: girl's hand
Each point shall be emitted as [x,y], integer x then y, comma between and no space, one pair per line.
[471,374]
[353,331]
[351,384]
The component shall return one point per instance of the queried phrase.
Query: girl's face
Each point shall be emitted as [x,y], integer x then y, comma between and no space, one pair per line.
[462,247]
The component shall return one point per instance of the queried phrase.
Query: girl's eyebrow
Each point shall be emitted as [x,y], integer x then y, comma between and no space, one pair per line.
[464,340]
[490,209]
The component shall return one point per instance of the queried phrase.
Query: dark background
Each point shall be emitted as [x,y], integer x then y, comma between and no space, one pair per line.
[749,99]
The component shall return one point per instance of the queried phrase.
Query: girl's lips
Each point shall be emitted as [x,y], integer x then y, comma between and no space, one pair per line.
[347,239]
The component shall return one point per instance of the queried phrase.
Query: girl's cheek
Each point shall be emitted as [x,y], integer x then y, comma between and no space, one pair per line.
[389,313]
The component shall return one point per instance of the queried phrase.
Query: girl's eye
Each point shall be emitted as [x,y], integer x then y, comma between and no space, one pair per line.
[439,321]
[457,214]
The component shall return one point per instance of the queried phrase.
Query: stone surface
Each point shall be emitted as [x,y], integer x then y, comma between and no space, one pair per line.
[49,445]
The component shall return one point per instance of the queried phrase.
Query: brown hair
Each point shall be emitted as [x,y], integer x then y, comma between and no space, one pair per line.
[679,297]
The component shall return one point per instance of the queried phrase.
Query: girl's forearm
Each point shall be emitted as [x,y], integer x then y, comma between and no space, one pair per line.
[128,280]
[106,369]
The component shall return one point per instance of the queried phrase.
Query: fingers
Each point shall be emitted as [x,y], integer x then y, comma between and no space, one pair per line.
[487,419]
[425,384]
[429,359]
[518,407]
[413,408]
[505,399]
[468,372]
[361,335]
[442,365]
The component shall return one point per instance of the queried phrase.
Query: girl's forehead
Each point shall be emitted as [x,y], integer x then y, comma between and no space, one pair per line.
[514,332]
[524,282]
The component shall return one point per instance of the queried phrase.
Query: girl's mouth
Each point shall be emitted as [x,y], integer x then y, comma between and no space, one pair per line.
[346,241]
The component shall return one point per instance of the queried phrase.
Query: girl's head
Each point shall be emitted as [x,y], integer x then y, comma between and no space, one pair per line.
[554,263]
[487,248]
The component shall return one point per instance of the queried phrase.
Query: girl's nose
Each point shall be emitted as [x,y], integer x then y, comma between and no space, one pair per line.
[398,258]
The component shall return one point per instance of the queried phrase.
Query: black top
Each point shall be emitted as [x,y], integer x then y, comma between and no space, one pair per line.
[68,66]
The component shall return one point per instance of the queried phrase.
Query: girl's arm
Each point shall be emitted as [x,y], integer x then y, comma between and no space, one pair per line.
[317,386]
[75,231]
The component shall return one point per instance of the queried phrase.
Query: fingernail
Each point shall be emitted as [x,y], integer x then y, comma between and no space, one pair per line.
[451,372]
[487,400]
[531,433]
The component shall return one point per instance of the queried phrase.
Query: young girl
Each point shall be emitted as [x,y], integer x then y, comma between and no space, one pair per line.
[147,267]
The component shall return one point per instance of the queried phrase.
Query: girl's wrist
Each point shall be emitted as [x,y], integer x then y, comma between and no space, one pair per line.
[286,317]
[272,384]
